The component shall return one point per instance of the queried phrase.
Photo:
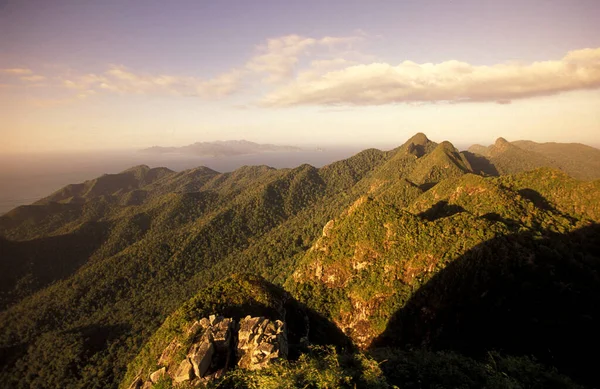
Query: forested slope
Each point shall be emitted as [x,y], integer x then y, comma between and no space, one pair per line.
[92,271]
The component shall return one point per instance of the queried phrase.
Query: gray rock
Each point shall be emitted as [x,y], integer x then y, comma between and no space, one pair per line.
[200,355]
[260,342]
[185,371]
[212,349]
[221,333]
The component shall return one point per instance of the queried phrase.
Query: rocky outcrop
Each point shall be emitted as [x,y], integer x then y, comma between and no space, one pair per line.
[214,345]
[260,341]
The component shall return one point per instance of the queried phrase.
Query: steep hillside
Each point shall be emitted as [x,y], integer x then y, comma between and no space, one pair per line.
[92,271]
[370,262]
[156,254]
[200,345]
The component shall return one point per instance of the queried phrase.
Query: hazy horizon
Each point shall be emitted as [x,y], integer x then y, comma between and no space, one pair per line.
[83,80]
[78,76]
[26,178]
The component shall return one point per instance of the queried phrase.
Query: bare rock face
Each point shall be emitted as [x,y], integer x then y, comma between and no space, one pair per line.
[260,341]
[213,346]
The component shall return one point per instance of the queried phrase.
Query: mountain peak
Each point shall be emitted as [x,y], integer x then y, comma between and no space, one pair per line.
[418,139]
[446,145]
[501,142]
[418,145]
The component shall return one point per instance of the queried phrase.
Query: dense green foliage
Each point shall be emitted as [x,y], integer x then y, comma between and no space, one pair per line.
[90,273]
[325,368]
[575,159]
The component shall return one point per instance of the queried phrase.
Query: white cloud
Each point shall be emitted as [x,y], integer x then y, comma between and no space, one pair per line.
[17,71]
[450,81]
[332,71]
[276,59]
[119,79]
[279,56]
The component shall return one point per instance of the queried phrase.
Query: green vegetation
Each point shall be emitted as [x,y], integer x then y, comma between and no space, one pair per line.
[576,160]
[102,271]
[325,368]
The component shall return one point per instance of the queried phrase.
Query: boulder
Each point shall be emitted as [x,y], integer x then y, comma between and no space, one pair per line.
[157,375]
[221,333]
[185,371]
[200,355]
[213,349]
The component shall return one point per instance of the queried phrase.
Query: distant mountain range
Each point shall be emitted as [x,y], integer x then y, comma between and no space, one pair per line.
[226,148]
[503,157]
[419,267]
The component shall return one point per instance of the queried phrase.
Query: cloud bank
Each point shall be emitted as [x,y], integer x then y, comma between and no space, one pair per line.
[449,81]
[279,56]
[121,80]
[296,70]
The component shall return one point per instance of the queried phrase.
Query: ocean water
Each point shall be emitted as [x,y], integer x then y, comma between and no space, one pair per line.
[27,178]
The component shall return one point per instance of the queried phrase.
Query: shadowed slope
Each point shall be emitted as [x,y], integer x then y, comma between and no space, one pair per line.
[522,294]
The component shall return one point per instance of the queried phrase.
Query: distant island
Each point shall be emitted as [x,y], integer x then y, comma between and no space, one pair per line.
[220,148]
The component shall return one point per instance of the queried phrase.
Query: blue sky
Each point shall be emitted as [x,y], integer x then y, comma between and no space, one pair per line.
[79,75]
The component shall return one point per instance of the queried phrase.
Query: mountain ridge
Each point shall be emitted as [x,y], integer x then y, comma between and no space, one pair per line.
[503,157]
[352,242]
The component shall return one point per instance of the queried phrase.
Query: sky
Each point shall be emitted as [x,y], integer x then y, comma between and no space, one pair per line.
[97,75]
